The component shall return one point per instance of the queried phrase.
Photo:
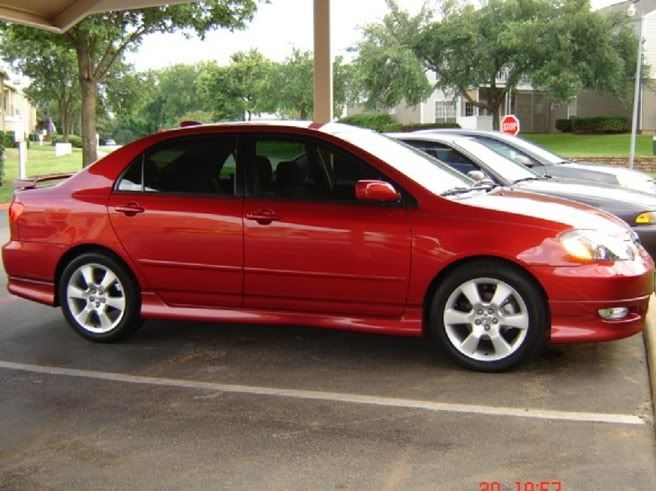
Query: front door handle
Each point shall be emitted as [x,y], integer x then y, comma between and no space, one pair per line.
[263,217]
[130,209]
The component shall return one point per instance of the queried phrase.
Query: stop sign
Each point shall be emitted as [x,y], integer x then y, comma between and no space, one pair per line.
[510,125]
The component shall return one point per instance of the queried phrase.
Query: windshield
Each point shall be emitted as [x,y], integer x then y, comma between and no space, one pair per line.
[496,161]
[536,150]
[423,169]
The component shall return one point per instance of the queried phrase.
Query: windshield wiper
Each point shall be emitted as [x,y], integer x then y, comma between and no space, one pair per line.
[524,179]
[461,190]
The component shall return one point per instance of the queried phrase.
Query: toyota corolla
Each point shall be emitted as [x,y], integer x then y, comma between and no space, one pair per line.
[326,226]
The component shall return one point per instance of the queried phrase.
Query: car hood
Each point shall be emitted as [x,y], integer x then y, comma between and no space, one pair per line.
[624,203]
[629,178]
[581,173]
[553,209]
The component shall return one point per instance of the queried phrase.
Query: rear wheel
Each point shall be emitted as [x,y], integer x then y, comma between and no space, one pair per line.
[99,298]
[489,316]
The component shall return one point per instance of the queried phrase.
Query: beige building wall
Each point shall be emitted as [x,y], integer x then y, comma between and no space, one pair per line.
[590,104]
[16,109]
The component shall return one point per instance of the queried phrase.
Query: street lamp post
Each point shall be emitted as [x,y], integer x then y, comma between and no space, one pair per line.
[631,11]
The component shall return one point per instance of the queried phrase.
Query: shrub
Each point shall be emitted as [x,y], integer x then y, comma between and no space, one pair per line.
[74,140]
[7,139]
[374,121]
[426,126]
[564,125]
[600,124]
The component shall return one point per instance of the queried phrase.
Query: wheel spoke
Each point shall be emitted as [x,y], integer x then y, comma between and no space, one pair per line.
[452,316]
[501,293]
[519,321]
[108,279]
[470,290]
[74,292]
[117,303]
[501,346]
[469,345]
[105,321]
[87,274]
[83,316]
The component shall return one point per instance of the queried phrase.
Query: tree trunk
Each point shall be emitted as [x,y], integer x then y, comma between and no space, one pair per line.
[495,118]
[89,87]
[62,119]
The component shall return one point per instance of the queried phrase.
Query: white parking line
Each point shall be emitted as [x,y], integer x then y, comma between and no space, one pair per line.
[544,414]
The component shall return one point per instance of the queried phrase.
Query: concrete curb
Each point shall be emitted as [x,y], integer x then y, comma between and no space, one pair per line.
[649,333]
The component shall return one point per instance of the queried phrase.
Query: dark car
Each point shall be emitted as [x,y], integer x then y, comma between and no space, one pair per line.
[545,162]
[467,154]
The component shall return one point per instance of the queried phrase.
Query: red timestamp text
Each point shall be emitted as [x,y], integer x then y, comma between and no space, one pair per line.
[521,486]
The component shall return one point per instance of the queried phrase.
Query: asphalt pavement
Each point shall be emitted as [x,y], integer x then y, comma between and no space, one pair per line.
[208,406]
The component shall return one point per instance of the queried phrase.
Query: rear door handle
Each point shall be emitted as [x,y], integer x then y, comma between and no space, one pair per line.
[130,209]
[263,217]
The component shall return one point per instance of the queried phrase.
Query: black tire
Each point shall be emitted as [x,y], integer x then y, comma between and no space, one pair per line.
[101,320]
[470,343]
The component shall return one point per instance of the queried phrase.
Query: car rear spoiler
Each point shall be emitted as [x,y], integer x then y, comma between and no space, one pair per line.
[32,182]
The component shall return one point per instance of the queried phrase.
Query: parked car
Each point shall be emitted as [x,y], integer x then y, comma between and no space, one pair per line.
[467,155]
[547,163]
[327,226]
[109,142]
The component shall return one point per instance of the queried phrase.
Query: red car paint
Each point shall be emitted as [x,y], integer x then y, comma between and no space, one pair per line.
[332,265]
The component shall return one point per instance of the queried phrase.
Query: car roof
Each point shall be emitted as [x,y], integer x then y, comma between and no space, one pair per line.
[329,128]
[442,137]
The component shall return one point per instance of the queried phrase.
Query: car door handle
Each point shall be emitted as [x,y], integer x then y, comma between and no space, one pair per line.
[130,209]
[263,217]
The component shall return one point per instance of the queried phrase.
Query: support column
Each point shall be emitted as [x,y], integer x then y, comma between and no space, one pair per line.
[323,66]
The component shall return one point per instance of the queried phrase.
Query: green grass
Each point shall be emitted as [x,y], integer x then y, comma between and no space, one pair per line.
[570,145]
[40,160]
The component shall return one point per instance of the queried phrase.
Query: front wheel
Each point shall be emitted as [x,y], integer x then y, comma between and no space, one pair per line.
[489,316]
[99,298]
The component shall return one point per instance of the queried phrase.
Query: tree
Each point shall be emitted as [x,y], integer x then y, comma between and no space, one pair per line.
[291,88]
[239,90]
[386,70]
[559,47]
[100,40]
[52,72]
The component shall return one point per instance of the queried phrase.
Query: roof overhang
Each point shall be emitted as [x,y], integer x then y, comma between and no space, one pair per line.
[60,15]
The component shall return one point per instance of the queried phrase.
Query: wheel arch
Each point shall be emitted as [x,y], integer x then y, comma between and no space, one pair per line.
[446,271]
[80,249]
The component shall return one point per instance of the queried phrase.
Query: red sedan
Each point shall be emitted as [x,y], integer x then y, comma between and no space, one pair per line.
[328,226]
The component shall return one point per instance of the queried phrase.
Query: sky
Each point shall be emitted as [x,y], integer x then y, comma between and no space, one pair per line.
[276,29]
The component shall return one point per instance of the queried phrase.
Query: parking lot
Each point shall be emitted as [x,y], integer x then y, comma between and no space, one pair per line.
[197,406]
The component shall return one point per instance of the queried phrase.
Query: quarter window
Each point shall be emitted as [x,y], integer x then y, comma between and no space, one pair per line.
[200,165]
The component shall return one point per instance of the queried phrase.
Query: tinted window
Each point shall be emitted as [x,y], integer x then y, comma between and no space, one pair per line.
[203,165]
[293,169]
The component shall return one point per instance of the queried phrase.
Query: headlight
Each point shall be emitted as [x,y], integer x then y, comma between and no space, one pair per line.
[646,218]
[590,245]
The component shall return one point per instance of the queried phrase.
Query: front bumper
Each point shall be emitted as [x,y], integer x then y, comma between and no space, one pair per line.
[577,293]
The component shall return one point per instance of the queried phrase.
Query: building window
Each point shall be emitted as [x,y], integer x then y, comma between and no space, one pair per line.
[469,109]
[445,112]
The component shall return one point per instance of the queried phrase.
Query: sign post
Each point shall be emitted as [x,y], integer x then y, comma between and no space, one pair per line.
[19,136]
[510,125]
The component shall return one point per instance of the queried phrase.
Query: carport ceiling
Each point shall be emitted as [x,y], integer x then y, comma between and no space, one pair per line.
[59,15]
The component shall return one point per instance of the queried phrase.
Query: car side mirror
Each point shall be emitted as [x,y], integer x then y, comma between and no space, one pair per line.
[477,175]
[524,160]
[376,191]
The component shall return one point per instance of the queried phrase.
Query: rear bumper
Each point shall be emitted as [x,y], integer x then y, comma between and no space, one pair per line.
[39,291]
